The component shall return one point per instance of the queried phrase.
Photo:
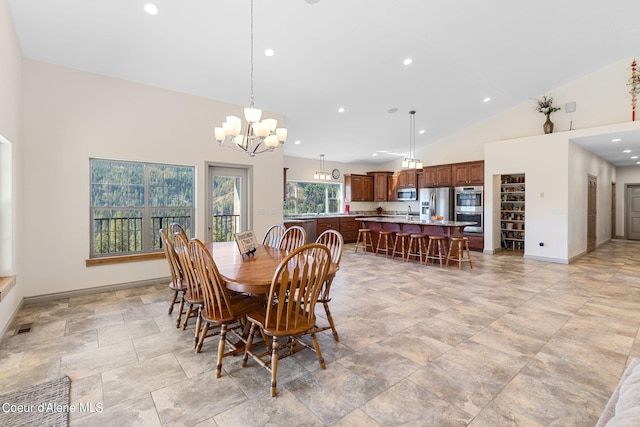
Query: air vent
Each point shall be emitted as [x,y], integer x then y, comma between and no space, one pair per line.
[24,328]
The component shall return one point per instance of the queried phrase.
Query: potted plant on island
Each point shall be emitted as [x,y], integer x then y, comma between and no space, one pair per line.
[545,106]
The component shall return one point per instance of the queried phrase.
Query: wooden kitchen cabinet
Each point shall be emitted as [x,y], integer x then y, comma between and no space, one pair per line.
[349,228]
[380,185]
[407,178]
[392,188]
[358,188]
[470,173]
[324,224]
[437,176]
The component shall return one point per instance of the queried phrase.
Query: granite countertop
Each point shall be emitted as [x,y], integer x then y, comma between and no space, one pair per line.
[402,219]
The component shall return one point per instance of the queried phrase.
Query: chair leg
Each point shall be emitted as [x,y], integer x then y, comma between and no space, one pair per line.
[330,319]
[318,352]
[198,327]
[179,320]
[173,301]
[223,337]
[248,344]
[186,317]
[466,244]
[274,365]
[203,334]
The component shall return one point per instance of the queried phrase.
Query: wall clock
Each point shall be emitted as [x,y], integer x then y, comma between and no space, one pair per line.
[335,174]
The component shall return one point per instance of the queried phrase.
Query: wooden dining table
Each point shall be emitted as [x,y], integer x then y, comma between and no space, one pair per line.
[249,274]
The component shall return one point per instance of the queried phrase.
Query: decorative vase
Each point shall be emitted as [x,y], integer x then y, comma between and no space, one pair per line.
[548,125]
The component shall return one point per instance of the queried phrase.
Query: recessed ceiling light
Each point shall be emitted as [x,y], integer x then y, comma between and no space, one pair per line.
[151,9]
[407,61]
[634,157]
[421,131]
[312,1]
[297,142]
[341,110]
[269,52]
[375,154]
[616,140]
[626,151]
[393,110]
[487,99]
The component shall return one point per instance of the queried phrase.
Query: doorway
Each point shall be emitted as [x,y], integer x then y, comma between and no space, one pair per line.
[592,183]
[227,199]
[613,210]
[632,204]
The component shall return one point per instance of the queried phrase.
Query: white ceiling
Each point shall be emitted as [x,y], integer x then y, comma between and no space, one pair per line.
[341,53]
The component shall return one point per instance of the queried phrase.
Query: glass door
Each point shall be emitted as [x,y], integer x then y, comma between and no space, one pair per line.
[228,195]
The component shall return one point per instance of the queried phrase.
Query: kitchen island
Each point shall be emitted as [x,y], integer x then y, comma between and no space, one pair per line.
[409,224]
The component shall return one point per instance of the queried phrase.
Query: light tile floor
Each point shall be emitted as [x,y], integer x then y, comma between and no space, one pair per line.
[511,342]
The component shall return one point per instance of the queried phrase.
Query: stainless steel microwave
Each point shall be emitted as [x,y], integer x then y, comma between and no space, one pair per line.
[407,194]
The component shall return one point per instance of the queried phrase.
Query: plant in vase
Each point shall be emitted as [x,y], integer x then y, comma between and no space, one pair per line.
[545,106]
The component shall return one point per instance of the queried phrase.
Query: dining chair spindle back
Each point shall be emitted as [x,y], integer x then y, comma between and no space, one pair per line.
[302,272]
[294,237]
[220,308]
[178,283]
[273,236]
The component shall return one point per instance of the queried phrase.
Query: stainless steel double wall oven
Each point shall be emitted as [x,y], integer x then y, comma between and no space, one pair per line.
[469,207]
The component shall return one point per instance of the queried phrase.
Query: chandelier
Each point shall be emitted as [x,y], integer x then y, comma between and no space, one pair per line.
[260,136]
[325,176]
[410,161]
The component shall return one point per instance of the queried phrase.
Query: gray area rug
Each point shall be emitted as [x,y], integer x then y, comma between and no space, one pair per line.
[45,404]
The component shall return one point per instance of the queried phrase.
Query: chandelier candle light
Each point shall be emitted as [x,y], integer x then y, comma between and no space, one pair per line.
[410,161]
[260,136]
[322,175]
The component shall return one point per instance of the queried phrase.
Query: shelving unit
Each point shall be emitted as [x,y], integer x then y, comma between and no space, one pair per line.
[512,204]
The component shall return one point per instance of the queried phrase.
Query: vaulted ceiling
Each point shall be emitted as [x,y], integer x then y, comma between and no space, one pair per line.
[331,54]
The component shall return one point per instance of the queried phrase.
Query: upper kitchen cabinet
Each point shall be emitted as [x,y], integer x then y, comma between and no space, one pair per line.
[407,178]
[380,185]
[437,176]
[358,188]
[471,173]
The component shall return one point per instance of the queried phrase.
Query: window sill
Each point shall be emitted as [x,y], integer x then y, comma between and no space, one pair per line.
[6,284]
[92,262]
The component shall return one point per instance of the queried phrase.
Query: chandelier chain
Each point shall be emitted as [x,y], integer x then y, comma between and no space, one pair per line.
[251,69]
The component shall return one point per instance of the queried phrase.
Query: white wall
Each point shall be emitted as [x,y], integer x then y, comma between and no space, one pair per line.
[582,163]
[543,160]
[71,116]
[602,98]
[10,125]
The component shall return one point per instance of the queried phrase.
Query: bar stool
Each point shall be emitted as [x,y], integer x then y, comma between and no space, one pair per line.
[384,236]
[441,254]
[364,239]
[417,245]
[460,244]
[403,239]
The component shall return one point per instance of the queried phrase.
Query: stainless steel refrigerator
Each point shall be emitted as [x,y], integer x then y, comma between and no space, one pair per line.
[437,201]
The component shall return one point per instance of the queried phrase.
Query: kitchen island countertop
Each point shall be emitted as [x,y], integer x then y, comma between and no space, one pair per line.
[402,219]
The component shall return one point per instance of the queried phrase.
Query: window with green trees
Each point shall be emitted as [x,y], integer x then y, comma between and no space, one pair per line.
[313,197]
[132,201]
